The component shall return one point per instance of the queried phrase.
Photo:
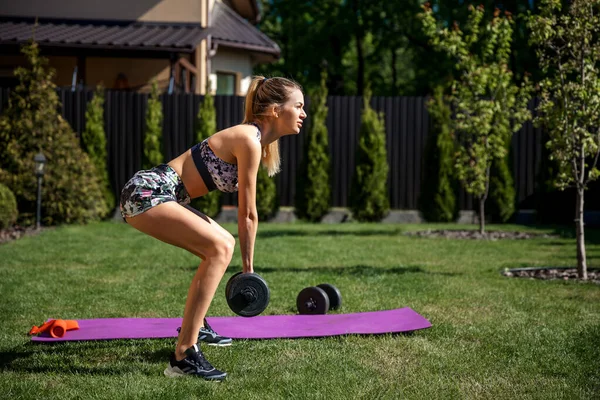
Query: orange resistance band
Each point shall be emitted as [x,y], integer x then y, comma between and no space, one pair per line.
[56,327]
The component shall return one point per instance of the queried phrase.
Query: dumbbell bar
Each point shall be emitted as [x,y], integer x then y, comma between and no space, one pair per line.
[247,294]
[318,299]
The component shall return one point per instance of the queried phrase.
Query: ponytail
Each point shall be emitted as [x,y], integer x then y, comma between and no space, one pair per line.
[263,93]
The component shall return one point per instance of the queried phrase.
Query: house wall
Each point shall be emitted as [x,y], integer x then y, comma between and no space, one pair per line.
[143,10]
[139,72]
[63,66]
[233,62]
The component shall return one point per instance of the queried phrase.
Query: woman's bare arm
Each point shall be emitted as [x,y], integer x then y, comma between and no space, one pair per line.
[248,153]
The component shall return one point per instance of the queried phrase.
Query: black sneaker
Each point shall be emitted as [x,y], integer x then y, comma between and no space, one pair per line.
[210,337]
[193,364]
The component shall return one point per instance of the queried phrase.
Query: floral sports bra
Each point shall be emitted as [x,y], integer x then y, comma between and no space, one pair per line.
[216,173]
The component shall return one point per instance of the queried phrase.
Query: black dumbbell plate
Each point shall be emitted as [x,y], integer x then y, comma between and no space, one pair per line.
[335,296]
[312,300]
[247,294]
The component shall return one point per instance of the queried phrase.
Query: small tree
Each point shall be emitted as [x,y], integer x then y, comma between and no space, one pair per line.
[438,197]
[32,123]
[153,154]
[369,199]
[568,47]
[267,203]
[313,194]
[489,107]
[206,125]
[94,143]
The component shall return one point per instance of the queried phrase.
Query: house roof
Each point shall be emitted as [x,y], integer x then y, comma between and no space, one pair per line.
[227,28]
[231,30]
[105,35]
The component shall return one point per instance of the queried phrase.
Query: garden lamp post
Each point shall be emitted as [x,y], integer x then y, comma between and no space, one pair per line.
[40,163]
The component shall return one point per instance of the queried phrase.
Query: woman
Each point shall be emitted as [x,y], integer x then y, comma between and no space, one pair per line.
[154,202]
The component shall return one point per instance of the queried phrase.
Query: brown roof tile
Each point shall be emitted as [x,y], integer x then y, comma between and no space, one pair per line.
[132,36]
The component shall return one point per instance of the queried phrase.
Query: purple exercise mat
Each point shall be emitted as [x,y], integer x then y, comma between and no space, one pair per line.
[260,327]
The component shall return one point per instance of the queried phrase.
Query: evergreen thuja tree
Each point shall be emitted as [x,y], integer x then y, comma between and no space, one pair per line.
[206,122]
[8,207]
[313,194]
[153,154]
[438,197]
[502,189]
[267,203]
[72,192]
[369,199]
[94,143]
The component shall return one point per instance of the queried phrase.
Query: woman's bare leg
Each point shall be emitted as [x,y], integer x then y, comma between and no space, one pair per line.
[200,235]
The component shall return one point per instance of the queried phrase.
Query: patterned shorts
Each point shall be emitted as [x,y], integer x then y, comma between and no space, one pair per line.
[150,188]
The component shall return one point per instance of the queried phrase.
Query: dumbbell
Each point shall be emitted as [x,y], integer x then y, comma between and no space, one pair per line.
[318,299]
[247,294]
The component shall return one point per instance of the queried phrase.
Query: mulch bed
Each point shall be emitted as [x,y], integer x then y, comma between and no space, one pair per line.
[552,273]
[474,234]
[17,232]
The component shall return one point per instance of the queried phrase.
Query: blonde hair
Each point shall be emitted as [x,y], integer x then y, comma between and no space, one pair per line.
[262,94]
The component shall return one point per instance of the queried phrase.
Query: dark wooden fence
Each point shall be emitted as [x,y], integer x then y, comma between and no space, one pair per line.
[406,120]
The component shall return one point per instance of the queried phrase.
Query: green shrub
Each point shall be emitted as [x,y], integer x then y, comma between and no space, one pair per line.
[94,144]
[267,204]
[313,192]
[206,125]
[502,196]
[153,153]
[8,207]
[31,123]
[369,199]
[438,197]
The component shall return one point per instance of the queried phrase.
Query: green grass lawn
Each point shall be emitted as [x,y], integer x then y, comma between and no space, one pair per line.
[492,337]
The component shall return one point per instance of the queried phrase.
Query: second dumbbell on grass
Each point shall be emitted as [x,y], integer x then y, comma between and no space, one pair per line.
[318,299]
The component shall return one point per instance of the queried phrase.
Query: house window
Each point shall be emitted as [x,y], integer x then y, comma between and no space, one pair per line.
[226,83]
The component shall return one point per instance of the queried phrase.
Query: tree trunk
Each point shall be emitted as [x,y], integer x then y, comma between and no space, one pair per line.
[482,215]
[581,259]
[483,198]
